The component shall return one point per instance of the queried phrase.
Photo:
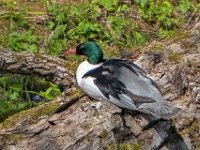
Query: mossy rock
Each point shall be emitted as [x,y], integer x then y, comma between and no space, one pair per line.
[176,57]
[13,137]
[156,48]
[125,146]
[192,129]
[103,134]
[31,115]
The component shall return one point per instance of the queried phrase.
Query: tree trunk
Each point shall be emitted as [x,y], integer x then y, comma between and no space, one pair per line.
[53,69]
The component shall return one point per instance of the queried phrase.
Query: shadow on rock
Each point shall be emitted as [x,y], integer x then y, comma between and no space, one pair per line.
[168,137]
[149,133]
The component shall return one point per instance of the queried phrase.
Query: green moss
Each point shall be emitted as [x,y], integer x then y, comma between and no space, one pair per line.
[187,47]
[179,37]
[103,134]
[48,110]
[71,64]
[156,48]
[190,125]
[125,146]
[192,62]
[194,127]
[31,114]
[197,141]
[175,57]
[78,92]
[194,65]
[13,137]
[187,121]
[191,129]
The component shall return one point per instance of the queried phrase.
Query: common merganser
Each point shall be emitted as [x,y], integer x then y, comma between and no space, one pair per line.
[121,82]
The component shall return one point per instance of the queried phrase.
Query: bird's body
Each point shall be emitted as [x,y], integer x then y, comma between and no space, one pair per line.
[87,84]
[121,82]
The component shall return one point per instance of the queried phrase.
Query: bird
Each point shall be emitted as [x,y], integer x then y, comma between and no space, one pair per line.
[120,82]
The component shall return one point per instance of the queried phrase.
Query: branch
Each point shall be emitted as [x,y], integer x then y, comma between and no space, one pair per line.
[51,68]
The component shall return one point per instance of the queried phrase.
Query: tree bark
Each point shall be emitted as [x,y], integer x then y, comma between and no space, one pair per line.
[51,68]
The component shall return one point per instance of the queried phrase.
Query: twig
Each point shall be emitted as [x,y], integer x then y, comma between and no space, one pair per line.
[69,103]
[188,21]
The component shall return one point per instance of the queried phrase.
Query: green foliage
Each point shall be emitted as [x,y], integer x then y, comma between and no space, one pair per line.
[31,114]
[166,16]
[17,93]
[11,89]
[25,41]
[56,41]
[109,5]
[18,19]
[160,12]
[176,57]
[184,6]
[110,22]
[86,21]
[51,92]
[86,29]
[166,33]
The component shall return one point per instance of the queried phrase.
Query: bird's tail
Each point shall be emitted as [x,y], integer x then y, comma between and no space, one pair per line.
[159,110]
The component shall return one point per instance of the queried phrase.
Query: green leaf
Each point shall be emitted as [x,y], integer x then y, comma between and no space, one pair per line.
[14,95]
[107,4]
[139,37]
[165,33]
[59,31]
[184,6]
[23,41]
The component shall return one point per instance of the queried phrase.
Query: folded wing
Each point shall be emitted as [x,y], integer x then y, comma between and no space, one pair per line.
[128,86]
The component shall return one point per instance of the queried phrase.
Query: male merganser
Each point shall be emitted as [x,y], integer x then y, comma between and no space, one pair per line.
[121,82]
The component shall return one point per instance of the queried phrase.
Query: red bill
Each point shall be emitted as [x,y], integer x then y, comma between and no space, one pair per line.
[71,52]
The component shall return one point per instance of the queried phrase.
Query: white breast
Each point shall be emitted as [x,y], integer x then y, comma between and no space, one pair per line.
[87,84]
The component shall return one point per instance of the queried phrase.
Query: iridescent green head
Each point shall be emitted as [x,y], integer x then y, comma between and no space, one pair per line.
[92,50]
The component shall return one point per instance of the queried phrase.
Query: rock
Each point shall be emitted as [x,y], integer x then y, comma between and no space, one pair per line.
[55,119]
[158,135]
[197,99]
[194,38]
[38,127]
[133,125]
[139,122]
[176,48]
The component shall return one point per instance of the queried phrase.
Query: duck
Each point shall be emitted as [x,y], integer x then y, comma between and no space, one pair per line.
[120,82]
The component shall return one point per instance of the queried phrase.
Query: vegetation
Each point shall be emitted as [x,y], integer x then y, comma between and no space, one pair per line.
[31,115]
[22,92]
[49,27]
[126,146]
[58,26]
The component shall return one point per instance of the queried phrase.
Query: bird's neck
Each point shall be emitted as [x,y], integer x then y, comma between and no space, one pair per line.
[83,68]
[95,59]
